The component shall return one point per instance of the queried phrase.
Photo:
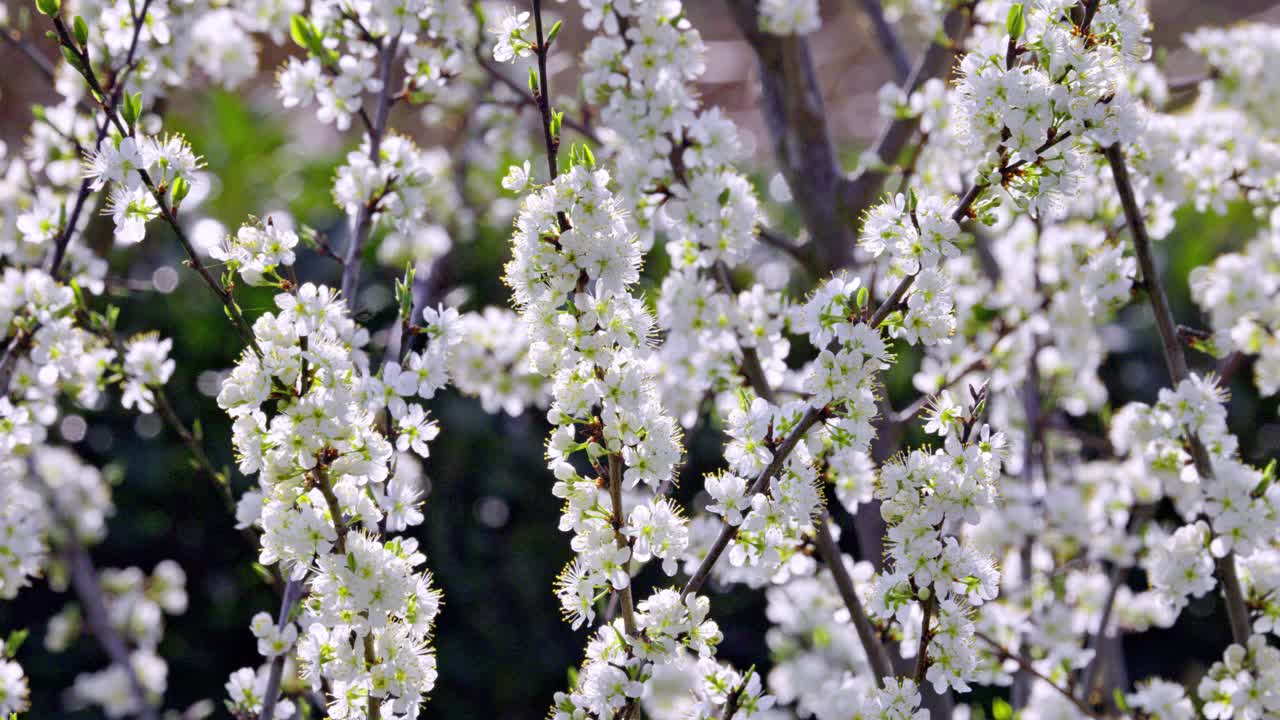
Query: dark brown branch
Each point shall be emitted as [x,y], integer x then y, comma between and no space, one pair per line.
[890,41]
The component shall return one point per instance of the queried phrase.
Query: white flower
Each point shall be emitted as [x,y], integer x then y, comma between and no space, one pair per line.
[517,179]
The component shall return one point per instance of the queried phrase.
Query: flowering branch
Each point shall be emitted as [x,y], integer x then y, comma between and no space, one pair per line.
[870,639]
[1176,362]
[88,588]
[364,217]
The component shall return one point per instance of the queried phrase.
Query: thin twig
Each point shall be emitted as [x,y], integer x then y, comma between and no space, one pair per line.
[1026,665]
[802,254]
[615,501]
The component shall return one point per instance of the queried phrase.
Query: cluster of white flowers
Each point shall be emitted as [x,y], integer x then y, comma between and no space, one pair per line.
[926,497]
[306,416]
[1241,294]
[1157,434]
[333,437]
[55,507]
[257,250]
[146,364]
[572,265]
[819,664]
[491,362]
[1025,96]
[135,605]
[167,162]
[675,175]
[397,190]
[1244,685]
[346,44]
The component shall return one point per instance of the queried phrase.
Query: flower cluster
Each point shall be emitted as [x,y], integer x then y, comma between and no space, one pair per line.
[675,175]
[139,169]
[351,50]
[306,413]
[926,497]
[1241,293]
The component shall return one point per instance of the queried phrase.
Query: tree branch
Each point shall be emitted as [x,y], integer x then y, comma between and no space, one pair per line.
[857,194]
[889,40]
[794,111]
[1176,361]
[364,217]
[871,645]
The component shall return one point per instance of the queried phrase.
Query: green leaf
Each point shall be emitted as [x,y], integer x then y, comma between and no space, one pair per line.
[557,119]
[180,189]
[404,292]
[300,30]
[1001,709]
[81,31]
[47,7]
[551,36]
[1016,23]
[863,296]
[132,108]
[73,57]
[14,642]
[533,80]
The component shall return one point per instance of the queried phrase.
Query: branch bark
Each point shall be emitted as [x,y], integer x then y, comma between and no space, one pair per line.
[794,111]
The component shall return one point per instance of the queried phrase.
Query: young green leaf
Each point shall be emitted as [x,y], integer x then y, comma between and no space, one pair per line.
[551,36]
[1016,23]
[81,31]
